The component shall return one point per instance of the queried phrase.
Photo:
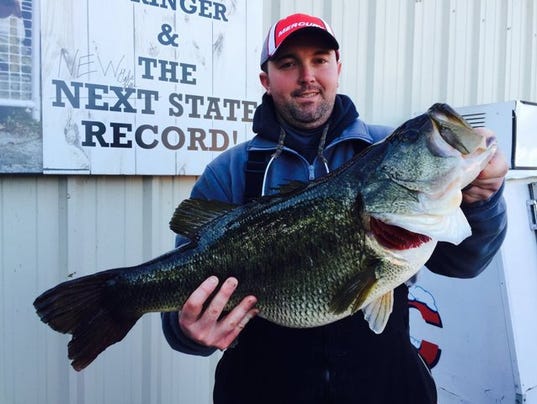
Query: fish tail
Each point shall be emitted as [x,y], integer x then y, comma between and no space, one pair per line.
[85,308]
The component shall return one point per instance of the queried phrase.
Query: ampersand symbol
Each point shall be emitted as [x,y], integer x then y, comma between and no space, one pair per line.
[166,37]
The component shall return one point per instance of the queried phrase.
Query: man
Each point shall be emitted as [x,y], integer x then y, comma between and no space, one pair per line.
[304,129]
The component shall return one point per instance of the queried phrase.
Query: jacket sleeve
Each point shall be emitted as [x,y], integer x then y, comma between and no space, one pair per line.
[488,220]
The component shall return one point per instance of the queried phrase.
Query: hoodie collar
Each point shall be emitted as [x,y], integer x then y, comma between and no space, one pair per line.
[266,123]
[343,123]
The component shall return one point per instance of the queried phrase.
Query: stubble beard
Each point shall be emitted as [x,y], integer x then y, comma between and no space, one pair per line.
[307,118]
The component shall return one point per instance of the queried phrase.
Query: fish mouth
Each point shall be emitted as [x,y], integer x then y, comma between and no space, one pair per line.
[456,133]
[454,137]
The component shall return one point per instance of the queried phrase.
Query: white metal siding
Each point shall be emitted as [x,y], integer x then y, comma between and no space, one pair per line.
[399,57]
[55,228]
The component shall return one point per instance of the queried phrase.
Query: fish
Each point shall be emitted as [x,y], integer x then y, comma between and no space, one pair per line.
[312,254]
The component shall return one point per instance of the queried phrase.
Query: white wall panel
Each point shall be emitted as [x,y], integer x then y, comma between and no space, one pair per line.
[56,228]
[399,57]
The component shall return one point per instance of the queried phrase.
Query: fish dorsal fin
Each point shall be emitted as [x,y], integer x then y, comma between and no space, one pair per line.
[192,214]
[282,191]
[291,186]
[354,293]
[378,312]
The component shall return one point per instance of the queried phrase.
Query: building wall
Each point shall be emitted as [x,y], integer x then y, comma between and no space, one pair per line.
[58,228]
[398,58]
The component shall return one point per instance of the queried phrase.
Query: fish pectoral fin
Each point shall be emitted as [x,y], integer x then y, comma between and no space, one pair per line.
[352,294]
[192,214]
[377,313]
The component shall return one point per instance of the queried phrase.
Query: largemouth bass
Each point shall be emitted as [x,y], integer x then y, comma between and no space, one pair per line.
[312,254]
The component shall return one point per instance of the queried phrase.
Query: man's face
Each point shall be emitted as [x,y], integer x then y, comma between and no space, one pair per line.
[302,79]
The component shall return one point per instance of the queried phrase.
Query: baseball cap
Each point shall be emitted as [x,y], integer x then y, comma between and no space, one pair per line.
[287,26]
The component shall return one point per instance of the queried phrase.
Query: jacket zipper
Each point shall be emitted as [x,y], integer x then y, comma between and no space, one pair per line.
[311,170]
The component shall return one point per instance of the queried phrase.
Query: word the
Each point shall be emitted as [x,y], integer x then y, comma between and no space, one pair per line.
[173,72]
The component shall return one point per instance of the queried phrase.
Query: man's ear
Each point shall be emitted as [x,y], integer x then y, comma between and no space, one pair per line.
[265,82]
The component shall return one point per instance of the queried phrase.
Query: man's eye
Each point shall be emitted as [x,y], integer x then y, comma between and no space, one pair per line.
[286,65]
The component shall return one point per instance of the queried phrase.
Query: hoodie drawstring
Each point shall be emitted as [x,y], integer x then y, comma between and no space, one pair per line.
[320,150]
[279,149]
[274,156]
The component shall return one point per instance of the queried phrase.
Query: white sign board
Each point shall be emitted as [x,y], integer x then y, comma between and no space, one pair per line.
[146,87]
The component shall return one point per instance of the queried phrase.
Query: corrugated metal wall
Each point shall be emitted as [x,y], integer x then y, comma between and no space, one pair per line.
[399,57]
[56,228]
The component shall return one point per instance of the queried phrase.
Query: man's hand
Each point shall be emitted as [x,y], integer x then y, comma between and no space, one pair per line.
[490,179]
[205,326]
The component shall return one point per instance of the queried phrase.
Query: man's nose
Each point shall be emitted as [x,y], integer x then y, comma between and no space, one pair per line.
[307,74]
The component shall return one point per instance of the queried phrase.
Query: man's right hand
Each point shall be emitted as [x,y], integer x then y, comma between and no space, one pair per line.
[205,326]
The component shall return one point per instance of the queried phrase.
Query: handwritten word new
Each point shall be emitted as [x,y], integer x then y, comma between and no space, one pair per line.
[80,65]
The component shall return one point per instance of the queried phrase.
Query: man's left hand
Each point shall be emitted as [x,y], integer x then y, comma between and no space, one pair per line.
[490,179]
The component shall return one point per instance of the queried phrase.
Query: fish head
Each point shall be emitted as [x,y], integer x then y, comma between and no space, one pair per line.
[457,135]
[408,197]
[418,172]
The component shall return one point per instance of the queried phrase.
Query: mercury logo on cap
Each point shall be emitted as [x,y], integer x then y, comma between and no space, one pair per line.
[280,31]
